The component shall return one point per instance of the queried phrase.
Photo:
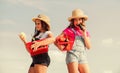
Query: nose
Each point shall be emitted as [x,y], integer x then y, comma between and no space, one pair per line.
[79,21]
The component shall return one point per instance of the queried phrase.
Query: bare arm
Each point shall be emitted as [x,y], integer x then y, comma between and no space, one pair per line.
[50,39]
[60,47]
[22,36]
[86,40]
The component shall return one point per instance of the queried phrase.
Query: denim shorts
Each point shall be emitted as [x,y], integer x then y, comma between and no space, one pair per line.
[79,57]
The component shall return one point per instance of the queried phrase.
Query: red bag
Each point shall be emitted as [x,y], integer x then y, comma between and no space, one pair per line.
[40,50]
[67,43]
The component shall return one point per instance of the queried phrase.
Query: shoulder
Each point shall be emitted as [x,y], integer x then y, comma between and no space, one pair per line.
[68,31]
[48,32]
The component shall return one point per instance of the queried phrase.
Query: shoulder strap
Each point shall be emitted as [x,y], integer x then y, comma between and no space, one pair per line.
[73,31]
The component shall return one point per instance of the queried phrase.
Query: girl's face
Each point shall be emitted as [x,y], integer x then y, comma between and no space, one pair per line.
[78,21]
[38,25]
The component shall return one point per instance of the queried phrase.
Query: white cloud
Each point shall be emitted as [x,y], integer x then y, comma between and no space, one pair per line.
[107,71]
[110,42]
[107,41]
[118,43]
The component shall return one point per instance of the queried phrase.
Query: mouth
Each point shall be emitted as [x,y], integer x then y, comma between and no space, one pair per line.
[80,26]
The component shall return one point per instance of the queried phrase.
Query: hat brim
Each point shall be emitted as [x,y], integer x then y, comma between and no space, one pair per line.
[83,16]
[33,19]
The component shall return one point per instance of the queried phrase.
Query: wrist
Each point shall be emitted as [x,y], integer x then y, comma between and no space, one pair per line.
[24,41]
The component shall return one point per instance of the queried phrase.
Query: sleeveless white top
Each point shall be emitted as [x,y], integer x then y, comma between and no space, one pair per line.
[44,35]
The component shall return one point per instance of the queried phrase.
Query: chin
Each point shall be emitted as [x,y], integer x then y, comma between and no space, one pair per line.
[38,29]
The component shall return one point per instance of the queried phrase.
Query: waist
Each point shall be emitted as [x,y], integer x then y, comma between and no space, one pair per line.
[43,54]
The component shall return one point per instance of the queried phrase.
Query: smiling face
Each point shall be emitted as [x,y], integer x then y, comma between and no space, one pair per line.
[78,21]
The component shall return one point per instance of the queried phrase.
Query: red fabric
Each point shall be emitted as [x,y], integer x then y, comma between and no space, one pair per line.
[42,49]
[67,39]
[70,35]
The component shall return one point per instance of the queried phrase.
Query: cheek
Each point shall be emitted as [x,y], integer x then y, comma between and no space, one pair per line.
[38,27]
[75,23]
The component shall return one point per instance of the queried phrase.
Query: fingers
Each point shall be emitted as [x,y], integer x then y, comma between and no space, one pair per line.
[34,48]
[22,36]
[35,45]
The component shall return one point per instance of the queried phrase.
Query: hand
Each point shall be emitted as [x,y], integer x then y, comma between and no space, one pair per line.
[22,37]
[84,33]
[60,47]
[35,45]
[82,27]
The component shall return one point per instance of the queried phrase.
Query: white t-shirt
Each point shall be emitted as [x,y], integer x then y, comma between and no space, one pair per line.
[44,35]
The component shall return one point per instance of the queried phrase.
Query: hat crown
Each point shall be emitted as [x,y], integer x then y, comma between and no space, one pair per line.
[44,17]
[77,12]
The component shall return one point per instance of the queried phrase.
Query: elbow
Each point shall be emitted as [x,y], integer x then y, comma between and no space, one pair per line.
[50,40]
[53,39]
[88,47]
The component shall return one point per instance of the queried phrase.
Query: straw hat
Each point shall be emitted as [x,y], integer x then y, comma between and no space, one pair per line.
[77,13]
[43,18]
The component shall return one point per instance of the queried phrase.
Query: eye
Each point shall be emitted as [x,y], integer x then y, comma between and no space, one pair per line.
[80,18]
[83,19]
[37,23]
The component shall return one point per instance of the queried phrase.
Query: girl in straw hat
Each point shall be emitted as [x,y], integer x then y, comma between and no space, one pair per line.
[76,59]
[42,31]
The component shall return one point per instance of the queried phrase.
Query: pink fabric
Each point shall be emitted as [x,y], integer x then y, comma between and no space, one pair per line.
[71,34]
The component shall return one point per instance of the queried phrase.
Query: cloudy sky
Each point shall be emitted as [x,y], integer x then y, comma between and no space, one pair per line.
[103,25]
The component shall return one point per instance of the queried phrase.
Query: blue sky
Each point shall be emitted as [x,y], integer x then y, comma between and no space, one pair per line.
[103,25]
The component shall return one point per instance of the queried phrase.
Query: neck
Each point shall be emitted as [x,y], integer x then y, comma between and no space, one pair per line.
[42,30]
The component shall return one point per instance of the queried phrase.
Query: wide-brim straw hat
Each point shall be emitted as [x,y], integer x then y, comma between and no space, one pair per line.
[43,18]
[77,13]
